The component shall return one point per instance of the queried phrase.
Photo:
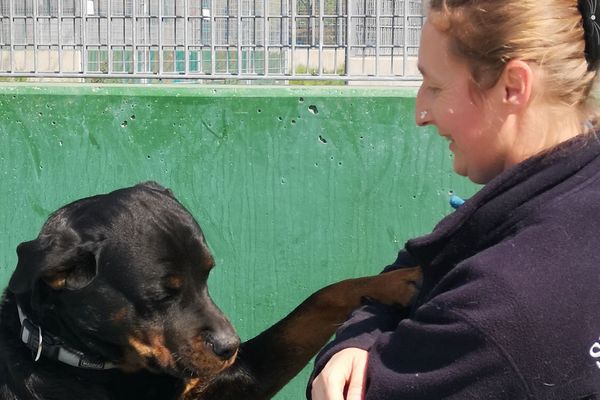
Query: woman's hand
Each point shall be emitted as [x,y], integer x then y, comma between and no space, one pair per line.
[343,378]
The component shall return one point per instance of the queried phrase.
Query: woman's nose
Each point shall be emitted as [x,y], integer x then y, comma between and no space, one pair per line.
[423,118]
[422,113]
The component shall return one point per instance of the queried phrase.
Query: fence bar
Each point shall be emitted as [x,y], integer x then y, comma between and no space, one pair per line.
[239,37]
[378,34]
[365,38]
[83,11]
[294,11]
[160,37]
[35,26]
[59,21]
[266,36]
[169,75]
[186,45]
[393,36]
[213,35]
[134,36]
[321,34]
[339,9]
[108,33]
[12,36]
[405,44]
[348,36]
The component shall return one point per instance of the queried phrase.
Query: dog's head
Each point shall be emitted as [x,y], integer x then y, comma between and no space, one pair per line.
[124,276]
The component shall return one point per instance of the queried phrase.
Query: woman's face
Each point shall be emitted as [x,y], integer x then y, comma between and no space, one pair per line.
[447,99]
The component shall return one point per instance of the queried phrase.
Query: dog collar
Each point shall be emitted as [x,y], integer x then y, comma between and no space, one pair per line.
[52,347]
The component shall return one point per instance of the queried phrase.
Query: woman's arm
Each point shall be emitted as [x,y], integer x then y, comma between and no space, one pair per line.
[359,332]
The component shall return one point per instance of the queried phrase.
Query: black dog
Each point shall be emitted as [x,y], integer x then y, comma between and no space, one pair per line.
[110,302]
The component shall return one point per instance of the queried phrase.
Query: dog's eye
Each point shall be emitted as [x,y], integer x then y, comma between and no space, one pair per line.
[173,282]
[170,288]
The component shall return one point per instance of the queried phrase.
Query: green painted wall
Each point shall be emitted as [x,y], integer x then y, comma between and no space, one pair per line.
[294,187]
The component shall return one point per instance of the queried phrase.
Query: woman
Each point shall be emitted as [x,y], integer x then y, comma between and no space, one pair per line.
[510,301]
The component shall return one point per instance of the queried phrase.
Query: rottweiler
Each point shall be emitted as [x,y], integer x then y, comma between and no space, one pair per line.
[110,301]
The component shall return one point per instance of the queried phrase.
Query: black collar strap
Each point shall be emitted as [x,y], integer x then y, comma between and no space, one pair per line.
[52,347]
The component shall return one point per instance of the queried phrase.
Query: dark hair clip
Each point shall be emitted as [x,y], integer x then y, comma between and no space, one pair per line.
[590,11]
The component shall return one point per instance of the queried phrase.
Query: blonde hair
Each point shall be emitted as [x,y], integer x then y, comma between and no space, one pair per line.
[489,33]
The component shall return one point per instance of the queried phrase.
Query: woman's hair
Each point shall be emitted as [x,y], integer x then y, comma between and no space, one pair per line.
[549,33]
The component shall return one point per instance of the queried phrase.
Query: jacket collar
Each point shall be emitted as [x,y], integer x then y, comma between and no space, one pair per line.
[500,206]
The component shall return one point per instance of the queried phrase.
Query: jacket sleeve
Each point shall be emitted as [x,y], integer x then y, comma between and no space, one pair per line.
[439,354]
[365,324]
[435,354]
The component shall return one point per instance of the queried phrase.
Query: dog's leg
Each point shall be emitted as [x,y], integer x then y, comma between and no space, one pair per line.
[270,360]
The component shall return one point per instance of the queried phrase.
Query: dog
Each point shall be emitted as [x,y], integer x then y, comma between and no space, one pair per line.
[110,302]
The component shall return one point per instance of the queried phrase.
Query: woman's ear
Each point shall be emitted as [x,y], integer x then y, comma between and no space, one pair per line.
[517,82]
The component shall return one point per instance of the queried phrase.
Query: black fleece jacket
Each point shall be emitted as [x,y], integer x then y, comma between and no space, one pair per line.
[510,303]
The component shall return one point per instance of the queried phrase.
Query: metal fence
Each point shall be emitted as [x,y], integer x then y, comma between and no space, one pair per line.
[211,39]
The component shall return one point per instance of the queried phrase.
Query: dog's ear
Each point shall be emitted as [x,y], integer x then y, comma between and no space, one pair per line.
[59,260]
[30,259]
[71,269]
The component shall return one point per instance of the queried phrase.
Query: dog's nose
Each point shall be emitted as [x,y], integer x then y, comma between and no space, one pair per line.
[223,345]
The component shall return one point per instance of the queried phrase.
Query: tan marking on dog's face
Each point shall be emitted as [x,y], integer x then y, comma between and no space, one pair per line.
[195,356]
[174,282]
[204,360]
[191,387]
[196,386]
[119,315]
[149,347]
[57,281]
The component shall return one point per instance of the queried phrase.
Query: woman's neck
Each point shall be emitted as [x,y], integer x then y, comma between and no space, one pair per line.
[543,128]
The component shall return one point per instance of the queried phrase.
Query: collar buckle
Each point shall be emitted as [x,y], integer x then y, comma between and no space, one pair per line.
[31,335]
[52,347]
